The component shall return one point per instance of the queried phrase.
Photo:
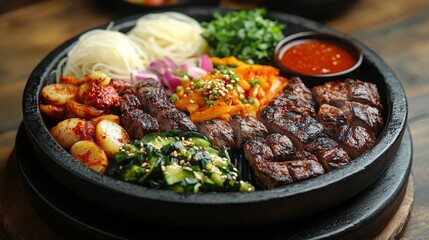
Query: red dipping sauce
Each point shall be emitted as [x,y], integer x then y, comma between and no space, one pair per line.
[316,57]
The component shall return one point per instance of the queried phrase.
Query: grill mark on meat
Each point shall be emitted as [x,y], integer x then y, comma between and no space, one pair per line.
[150,82]
[295,97]
[129,102]
[153,100]
[363,115]
[247,128]
[281,146]
[296,87]
[331,118]
[354,139]
[329,154]
[219,132]
[333,93]
[138,123]
[304,169]
[289,103]
[337,93]
[271,173]
[173,119]
[300,129]
[363,92]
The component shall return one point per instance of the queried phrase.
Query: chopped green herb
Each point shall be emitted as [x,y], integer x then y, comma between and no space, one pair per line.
[245,34]
[251,100]
[254,82]
[174,97]
[176,72]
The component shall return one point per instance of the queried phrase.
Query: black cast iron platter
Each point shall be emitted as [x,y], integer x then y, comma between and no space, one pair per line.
[222,209]
[74,218]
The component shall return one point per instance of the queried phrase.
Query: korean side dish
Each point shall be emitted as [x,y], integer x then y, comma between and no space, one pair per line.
[198,107]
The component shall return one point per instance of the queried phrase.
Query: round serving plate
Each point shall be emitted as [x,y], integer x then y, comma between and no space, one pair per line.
[72,217]
[222,209]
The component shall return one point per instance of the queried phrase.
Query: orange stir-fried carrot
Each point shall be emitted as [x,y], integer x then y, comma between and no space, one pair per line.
[233,88]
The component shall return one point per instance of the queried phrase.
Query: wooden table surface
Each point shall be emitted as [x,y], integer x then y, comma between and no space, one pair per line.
[397,30]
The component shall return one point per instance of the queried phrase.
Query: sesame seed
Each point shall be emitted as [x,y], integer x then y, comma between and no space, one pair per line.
[174,154]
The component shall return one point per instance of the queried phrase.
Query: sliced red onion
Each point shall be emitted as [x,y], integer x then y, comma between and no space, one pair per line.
[185,66]
[170,64]
[140,75]
[159,66]
[205,63]
[163,70]
[172,80]
[196,72]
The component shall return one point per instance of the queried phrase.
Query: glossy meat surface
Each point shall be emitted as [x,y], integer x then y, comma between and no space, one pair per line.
[219,132]
[154,101]
[138,123]
[247,128]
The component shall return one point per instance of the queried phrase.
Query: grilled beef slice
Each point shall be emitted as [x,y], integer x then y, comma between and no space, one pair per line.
[128,102]
[271,173]
[296,87]
[336,93]
[331,118]
[363,92]
[328,153]
[353,139]
[332,93]
[295,97]
[247,128]
[304,169]
[363,115]
[219,132]
[173,119]
[281,146]
[153,100]
[300,129]
[138,123]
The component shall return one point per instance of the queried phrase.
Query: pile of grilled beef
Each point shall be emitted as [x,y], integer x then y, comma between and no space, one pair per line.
[303,133]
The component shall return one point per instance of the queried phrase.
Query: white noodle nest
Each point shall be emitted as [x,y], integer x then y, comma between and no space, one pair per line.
[108,51]
[169,34]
